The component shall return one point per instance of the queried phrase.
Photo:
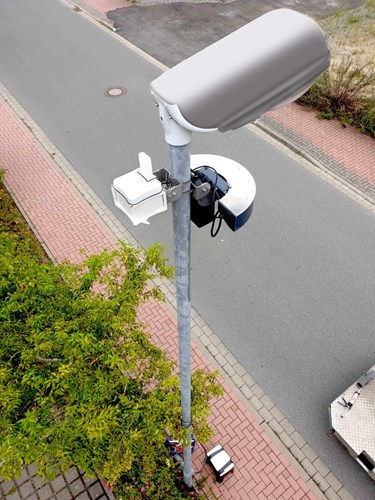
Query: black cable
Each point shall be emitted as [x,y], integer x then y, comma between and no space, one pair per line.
[213,231]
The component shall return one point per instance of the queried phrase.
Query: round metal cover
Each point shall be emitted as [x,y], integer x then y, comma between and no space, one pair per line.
[115,91]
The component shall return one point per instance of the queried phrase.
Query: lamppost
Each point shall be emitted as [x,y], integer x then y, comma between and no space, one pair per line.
[264,65]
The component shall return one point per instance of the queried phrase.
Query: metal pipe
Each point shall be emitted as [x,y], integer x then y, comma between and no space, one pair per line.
[179,161]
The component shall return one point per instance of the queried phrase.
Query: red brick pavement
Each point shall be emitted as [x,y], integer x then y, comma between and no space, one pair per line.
[347,145]
[61,218]
[104,6]
[66,225]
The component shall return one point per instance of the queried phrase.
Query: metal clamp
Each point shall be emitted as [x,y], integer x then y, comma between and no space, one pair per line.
[172,186]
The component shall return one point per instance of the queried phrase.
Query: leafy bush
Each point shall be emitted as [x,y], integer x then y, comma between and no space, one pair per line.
[165,483]
[345,92]
[80,381]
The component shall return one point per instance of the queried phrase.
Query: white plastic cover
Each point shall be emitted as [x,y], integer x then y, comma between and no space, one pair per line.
[267,62]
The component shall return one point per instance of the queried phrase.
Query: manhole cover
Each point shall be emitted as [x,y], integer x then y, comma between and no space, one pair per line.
[115,91]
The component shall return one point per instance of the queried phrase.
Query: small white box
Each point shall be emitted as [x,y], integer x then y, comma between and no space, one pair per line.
[139,196]
[220,461]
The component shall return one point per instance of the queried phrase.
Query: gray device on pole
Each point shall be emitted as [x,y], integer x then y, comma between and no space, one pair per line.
[261,66]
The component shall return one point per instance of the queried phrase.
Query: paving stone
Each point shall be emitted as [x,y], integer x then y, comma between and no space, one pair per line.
[246,391]
[276,413]
[32,469]
[308,466]
[58,483]
[216,341]
[88,480]
[297,453]
[14,496]
[23,478]
[331,494]
[287,426]
[239,369]
[229,370]
[321,467]
[265,414]
[200,321]
[213,349]
[26,489]
[256,402]
[248,380]
[258,391]
[71,475]
[231,359]
[38,482]
[286,439]
[96,490]
[298,439]
[76,486]
[84,496]
[196,330]
[275,426]
[8,487]
[206,341]
[220,359]
[333,481]
[64,495]
[45,493]
[321,482]
[267,402]
[309,452]
[236,379]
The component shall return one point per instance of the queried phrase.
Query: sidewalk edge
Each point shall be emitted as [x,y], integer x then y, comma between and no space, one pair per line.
[316,163]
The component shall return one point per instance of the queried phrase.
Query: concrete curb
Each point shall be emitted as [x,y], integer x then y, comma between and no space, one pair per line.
[310,158]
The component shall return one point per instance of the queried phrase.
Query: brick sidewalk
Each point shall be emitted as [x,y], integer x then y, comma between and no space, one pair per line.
[345,152]
[66,223]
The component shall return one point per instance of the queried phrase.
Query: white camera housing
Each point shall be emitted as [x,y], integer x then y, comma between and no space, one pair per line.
[266,64]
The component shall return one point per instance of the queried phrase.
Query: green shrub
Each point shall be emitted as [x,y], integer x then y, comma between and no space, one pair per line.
[345,92]
[80,381]
[166,482]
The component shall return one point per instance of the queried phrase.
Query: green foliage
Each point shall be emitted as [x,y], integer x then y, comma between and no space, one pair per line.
[345,92]
[166,482]
[353,19]
[80,381]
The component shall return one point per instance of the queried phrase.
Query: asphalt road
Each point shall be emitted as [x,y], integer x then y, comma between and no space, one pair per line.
[176,30]
[291,294]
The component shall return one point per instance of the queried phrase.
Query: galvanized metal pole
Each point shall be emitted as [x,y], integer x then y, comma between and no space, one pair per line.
[179,162]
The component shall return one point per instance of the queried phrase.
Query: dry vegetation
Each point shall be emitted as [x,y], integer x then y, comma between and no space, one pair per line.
[347,90]
[351,34]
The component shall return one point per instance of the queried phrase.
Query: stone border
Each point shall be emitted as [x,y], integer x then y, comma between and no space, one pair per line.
[311,468]
[361,187]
